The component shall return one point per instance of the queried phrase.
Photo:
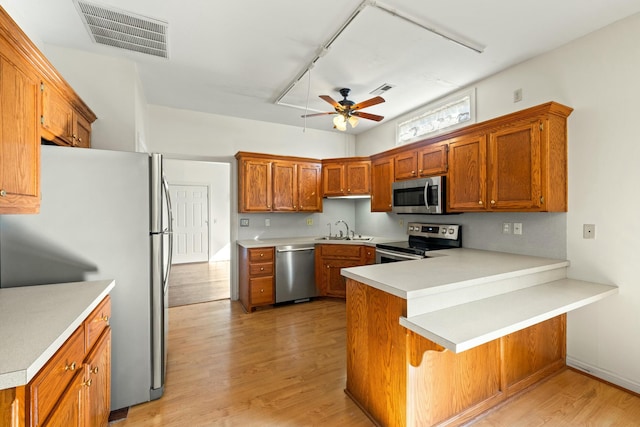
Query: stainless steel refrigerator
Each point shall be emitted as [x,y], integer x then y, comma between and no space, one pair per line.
[104,215]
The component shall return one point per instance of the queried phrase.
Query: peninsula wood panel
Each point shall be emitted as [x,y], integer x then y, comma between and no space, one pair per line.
[402,379]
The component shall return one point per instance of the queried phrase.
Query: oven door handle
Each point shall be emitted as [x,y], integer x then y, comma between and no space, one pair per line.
[398,255]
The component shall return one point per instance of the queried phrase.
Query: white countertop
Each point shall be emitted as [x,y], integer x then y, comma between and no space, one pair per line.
[311,240]
[465,326]
[36,320]
[462,298]
[448,270]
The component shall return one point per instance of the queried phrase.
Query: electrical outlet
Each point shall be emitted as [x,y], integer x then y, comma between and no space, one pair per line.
[588,231]
[244,222]
[517,95]
[517,228]
[401,222]
[506,228]
[309,221]
[267,222]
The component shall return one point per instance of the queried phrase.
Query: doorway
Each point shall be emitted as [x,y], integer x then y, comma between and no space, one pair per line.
[190,223]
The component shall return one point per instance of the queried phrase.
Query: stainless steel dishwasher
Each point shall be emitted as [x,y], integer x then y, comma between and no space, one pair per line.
[295,273]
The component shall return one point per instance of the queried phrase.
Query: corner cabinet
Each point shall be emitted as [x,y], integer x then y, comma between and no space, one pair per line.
[278,184]
[330,259]
[520,166]
[256,277]
[346,177]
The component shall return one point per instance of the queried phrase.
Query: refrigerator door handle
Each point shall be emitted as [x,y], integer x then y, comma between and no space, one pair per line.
[169,229]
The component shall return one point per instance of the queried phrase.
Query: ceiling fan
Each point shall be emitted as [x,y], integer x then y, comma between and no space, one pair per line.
[349,111]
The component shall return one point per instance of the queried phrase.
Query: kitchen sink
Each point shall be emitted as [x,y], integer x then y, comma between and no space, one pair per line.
[360,238]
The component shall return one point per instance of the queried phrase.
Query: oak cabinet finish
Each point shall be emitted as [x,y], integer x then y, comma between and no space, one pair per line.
[346,177]
[73,389]
[61,122]
[278,184]
[381,180]
[428,160]
[520,166]
[256,277]
[330,259]
[402,379]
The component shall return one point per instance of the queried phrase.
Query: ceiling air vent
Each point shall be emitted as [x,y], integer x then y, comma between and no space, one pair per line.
[382,89]
[124,30]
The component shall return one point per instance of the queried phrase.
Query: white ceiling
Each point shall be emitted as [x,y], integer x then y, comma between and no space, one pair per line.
[237,57]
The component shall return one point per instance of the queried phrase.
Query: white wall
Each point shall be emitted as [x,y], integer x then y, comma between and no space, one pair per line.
[216,176]
[597,75]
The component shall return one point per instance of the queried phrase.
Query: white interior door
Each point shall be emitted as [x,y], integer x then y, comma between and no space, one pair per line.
[191,223]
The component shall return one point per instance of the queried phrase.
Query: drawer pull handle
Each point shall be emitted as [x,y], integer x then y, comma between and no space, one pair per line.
[3,193]
[93,370]
[261,291]
[261,268]
[87,382]
[71,367]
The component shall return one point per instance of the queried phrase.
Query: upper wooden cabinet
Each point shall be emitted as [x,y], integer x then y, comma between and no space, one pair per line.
[346,177]
[62,122]
[429,160]
[29,113]
[381,180]
[518,166]
[278,184]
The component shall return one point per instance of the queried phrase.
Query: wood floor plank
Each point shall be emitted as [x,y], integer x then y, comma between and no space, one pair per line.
[199,282]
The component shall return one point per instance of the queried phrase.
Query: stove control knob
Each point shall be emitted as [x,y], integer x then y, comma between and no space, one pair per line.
[444,231]
[451,230]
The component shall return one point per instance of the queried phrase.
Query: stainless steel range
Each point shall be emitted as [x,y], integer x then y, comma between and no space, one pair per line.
[422,239]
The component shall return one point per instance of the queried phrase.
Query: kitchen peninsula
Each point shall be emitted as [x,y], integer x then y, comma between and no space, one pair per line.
[443,339]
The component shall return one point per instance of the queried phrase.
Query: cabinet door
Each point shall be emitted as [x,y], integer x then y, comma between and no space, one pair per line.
[57,116]
[405,165]
[466,189]
[97,382]
[333,282]
[381,181]
[358,178]
[81,131]
[261,290]
[69,410]
[309,182]
[285,187]
[19,139]
[514,168]
[255,186]
[432,160]
[369,255]
[333,179]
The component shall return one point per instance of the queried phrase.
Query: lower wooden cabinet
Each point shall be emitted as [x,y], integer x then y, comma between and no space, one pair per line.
[330,259]
[256,276]
[73,389]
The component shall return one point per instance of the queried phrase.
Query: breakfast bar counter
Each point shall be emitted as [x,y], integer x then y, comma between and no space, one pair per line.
[443,339]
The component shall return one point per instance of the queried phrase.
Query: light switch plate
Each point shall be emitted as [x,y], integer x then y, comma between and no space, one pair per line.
[244,222]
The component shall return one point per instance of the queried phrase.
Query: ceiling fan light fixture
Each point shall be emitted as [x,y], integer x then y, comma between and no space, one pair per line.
[353,121]
[339,122]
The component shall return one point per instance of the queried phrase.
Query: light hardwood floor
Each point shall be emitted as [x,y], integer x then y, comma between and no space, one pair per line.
[198,282]
[285,366]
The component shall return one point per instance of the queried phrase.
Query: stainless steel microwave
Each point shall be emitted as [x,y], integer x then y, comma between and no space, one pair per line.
[419,196]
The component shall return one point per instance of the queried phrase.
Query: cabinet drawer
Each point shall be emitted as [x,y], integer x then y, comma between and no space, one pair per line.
[261,269]
[97,321]
[342,251]
[261,290]
[54,377]
[261,254]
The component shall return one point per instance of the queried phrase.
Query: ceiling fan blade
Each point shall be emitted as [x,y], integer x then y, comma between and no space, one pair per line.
[368,116]
[318,114]
[331,101]
[368,103]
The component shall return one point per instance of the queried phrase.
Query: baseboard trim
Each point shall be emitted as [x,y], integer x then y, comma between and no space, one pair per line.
[605,376]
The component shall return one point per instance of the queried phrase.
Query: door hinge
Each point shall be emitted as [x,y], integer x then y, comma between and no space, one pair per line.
[542,200]
[41,87]
[41,120]
[541,126]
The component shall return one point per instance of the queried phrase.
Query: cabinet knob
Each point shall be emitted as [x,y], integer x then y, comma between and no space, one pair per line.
[71,367]
[261,254]
[104,319]
[261,268]
[261,291]
[94,370]
[3,193]
[413,172]
[87,383]
[420,171]
[493,202]
[479,202]
[348,190]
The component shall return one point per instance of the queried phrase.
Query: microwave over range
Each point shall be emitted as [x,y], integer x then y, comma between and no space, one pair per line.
[420,196]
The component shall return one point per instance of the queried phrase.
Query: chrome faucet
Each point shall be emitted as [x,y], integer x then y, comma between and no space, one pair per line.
[345,224]
[329,224]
